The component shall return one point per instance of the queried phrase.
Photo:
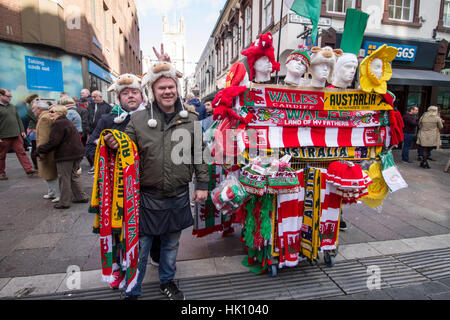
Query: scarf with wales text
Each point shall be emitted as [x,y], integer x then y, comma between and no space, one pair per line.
[115,200]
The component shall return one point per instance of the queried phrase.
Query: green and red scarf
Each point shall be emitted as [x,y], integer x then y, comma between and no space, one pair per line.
[115,200]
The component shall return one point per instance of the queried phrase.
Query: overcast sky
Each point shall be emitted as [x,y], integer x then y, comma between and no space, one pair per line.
[200,17]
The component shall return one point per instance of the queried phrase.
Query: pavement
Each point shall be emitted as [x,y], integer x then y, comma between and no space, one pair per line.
[41,245]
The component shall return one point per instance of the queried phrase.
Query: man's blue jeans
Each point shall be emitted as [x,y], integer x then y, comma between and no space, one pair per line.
[408,140]
[168,257]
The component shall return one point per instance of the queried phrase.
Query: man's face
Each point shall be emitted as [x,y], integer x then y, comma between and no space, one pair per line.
[37,111]
[6,98]
[414,111]
[97,96]
[84,93]
[165,91]
[208,106]
[130,98]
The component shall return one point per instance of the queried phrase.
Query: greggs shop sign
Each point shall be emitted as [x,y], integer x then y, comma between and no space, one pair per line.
[328,99]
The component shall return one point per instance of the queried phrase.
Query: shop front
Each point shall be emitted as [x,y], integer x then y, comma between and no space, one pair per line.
[100,79]
[415,80]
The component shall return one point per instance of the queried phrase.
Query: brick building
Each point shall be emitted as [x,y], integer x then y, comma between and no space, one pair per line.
[81,43]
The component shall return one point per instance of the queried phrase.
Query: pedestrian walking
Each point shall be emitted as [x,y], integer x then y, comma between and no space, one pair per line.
[65,141]
[208,121]
[31,129]
[199,107]
[429,136]
[96,109]
[12,134]
[409,131]
[164,183]
[85,97]
[46,162]
[72,113]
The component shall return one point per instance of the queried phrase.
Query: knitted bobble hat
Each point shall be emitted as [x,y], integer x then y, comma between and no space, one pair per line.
[301,54]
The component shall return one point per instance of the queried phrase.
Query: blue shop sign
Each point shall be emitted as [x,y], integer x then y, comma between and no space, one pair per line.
[405,52]
[44,74]
[95,69]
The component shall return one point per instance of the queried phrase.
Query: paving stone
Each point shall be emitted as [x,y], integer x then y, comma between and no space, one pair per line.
[372,295]
[46,240]
[390,247]
[407,293]
[424,243]
[23,262]
[440,296]
[355,251]
[72,246]
[24,286]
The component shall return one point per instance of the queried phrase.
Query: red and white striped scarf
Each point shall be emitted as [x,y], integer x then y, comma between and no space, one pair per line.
[293,137]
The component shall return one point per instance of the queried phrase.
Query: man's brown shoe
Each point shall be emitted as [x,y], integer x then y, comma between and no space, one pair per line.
[3,176]
[31,172]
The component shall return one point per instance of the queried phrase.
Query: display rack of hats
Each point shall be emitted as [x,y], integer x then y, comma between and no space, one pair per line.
[287,157]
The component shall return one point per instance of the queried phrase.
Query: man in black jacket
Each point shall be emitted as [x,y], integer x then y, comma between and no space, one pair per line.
[409,131]
[96,109]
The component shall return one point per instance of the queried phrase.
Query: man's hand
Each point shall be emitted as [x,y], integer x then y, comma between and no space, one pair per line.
[162,56]
[111,142]
[200,195]
[23,134]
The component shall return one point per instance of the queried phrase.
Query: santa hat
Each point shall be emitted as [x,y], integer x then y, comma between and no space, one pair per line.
[158,70]
[301,54]
[260,48]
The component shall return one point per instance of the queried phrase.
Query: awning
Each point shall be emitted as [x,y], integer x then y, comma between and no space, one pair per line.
[414,77]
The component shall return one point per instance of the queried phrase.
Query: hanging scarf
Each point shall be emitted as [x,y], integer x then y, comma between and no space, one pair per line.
[115,200]
[310,233]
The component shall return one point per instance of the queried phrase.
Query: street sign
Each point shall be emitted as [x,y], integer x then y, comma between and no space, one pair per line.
[294,18]
[44,74]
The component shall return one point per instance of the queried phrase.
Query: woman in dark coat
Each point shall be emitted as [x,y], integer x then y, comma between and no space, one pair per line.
[69,151]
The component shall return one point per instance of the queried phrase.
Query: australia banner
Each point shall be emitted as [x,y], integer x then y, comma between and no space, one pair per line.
[325,99]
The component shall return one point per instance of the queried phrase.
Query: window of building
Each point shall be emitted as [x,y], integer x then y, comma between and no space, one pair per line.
[235,41]
[401,10]
[446,14]
[225,54]
[248,26]
[93,12]
[267,13]
[339,6]
[219,60]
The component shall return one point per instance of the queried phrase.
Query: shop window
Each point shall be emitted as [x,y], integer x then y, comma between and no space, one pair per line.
[266,14]
[443,100]
[339,6]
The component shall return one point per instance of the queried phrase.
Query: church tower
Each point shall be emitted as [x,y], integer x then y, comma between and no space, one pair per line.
[174,40]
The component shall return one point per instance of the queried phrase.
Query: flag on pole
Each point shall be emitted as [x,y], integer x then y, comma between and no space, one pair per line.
[309,9]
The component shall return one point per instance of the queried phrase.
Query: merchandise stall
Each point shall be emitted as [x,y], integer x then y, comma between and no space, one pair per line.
[285,158]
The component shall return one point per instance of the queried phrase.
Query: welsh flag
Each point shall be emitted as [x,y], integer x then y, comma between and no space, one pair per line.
[309,9]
